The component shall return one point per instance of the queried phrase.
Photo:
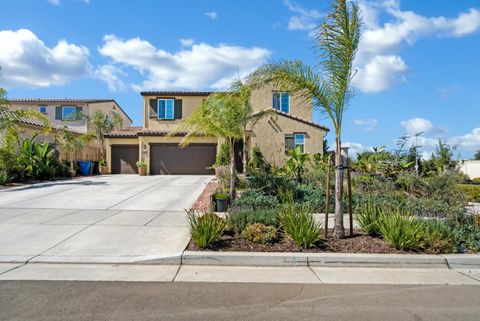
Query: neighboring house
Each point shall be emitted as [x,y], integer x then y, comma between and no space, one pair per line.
[471,168]
[286,123]
[67,111]
[30,126]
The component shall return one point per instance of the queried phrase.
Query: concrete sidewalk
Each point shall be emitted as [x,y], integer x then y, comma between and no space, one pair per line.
[237,274]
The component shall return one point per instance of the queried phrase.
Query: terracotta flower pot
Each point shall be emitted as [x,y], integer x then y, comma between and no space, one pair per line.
[142,171]
[103,170]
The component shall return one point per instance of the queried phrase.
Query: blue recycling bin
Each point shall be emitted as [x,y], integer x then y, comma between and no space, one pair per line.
[84,167]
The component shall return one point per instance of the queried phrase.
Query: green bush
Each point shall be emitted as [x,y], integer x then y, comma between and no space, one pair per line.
[259,233]
[4,179]
[468,236]
[223,156]
[205,229]
[367,216]
[400,232]
[238,219]
[299,224]
[256,200]
[471,192]
[437,237]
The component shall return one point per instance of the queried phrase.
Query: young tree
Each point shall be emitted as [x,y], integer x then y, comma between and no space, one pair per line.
[328,83]
[102,124]
[70,143]
[477,155]
[221,115]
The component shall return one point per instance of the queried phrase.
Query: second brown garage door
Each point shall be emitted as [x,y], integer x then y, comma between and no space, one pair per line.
[170,159]
[124,159]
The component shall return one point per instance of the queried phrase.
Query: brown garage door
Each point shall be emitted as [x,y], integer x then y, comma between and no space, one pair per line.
[124,158]
[170,159]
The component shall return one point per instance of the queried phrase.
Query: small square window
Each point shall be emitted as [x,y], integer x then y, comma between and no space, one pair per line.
[69,112]
[166,108]
[42,109]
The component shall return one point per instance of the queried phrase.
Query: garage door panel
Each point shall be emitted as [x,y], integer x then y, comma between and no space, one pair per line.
[124,159]
[170,159]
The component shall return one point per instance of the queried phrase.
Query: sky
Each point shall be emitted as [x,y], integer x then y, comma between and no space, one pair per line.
[416,70]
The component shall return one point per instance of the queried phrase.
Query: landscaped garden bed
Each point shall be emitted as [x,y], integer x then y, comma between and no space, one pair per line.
[358,243]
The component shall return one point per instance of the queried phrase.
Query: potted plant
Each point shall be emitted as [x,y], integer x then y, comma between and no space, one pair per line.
[103,167]
[221,201]
[142,168]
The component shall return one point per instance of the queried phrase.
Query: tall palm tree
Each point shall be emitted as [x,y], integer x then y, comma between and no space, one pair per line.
[328,83]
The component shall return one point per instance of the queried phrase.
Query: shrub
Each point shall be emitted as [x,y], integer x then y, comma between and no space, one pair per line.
[367,216]
[223,156]
[400,232]
[205,229]
[4,179]
[471,192]
[468,236]
[141,164]
[299,224]
[256,200]
[259,233]
[238,219]
[437,237]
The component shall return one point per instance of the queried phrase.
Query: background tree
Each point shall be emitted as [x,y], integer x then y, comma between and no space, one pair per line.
[102,124]
[328,83]
[477,155]
[70,143]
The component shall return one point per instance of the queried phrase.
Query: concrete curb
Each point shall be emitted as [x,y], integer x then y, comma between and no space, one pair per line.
[330,259]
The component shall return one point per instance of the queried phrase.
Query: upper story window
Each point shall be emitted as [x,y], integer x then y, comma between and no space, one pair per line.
[281,101]
[69,113]
[42,109]
[166,108]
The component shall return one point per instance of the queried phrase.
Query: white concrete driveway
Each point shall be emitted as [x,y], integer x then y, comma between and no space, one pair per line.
[104,219]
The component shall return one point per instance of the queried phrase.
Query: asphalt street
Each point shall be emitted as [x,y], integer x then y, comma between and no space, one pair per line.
[119,301]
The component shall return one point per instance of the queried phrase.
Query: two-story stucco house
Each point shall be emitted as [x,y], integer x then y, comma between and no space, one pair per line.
[287,123]
[65,111]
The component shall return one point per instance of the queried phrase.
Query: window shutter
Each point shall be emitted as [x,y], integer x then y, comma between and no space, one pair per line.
[289,142]
[178,109]
[58,113]
[153,110]
[276,101]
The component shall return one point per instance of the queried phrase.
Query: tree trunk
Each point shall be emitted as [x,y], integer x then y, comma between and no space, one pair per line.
[232,171]
[244,151]
[339,229]
[102,149]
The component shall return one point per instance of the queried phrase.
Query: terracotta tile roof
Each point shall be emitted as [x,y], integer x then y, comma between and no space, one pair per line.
[58,100]
[177,93]
[126,132]
[305,121]
[5,113]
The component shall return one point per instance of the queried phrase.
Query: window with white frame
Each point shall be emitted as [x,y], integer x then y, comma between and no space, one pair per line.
[299,141]
[42,109]
[166,108]
[281,101]
[69,113]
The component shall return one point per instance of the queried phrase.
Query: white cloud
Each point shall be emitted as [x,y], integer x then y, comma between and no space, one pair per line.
[421,125]
[187,42]
[54,2]
[112,75]
[200,66]
[304,19]
[367,124]
[27,61]
[355,148]
[469,141]
[378,62]
[212,15]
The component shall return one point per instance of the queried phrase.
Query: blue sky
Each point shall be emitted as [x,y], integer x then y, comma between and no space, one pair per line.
[417,66]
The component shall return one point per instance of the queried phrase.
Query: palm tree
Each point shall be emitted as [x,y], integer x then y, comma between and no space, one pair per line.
[328,83]
[70,143]
[102,124]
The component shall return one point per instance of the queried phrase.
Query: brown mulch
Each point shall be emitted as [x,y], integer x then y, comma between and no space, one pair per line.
[358,243]
[203,202]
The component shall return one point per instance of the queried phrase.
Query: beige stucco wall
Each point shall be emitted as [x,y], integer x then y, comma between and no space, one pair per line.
[269,135]
[189,103]
[87,108]
[262,98]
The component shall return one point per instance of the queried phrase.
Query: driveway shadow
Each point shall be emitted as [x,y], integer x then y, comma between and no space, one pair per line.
[51,184]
